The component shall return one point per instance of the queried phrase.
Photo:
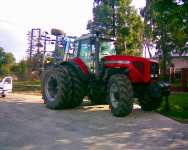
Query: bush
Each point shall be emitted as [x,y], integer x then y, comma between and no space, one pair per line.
[178,107]
[27,86]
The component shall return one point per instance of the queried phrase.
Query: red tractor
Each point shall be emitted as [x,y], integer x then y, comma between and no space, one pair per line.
[97,72]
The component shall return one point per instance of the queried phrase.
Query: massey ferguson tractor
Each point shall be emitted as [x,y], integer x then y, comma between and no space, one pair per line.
[97,72]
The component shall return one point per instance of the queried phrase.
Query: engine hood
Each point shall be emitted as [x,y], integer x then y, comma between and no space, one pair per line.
[124,59]
[139,68]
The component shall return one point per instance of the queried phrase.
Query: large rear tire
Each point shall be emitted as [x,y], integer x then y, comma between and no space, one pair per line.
[56,88]
[77,88]
[120,95]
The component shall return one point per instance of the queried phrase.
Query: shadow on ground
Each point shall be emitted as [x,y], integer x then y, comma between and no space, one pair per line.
[26,124]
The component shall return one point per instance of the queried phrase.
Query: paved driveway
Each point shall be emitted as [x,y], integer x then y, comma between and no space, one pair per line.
[26,124]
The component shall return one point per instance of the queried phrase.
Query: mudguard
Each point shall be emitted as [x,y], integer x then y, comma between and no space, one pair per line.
[81,74]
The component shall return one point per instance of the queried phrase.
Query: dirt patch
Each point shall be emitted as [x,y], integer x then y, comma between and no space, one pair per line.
[26,124]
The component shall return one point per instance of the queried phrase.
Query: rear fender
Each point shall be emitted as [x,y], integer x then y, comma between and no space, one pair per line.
[81,65]
[82,75]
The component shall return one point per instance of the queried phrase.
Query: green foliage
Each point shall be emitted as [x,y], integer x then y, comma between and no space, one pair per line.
[116,18]
[103,18]
[129,29]
[102,22]
[27,86]
[7,60]
[178,107]
[21,70]
[166,25]
[130,36]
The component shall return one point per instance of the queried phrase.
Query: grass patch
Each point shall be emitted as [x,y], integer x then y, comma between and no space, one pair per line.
[27,86]
[178,84]
[178,107]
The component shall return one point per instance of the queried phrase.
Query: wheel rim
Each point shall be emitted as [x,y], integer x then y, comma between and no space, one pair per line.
[114,95]
[51,88]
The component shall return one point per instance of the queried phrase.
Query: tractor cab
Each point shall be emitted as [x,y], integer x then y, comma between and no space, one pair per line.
[91,50]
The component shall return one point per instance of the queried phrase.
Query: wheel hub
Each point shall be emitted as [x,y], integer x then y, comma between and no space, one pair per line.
[114,95]
[52,88]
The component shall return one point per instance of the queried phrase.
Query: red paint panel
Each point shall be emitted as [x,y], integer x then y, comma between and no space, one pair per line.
[135,74]
[81,64]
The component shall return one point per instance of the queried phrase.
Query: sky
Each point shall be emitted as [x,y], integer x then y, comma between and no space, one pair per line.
[17,17]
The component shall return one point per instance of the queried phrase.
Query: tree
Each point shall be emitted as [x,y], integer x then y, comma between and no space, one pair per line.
[21,70]
[102,22]
[130,29]
[167,23]
[178,26]
[7,60]
[116,18]
[2,58]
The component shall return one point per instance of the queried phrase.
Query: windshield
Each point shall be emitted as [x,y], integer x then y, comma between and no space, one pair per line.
[85,52]
[107,48]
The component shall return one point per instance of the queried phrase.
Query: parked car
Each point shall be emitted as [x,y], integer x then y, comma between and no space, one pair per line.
[5,85]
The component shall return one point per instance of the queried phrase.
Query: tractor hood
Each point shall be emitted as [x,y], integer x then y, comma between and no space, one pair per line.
[124,60]
[140,69]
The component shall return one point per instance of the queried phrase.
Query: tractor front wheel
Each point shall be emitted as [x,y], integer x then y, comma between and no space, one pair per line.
[120,95]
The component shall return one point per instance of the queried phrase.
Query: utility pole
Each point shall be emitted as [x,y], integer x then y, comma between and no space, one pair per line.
[30,38]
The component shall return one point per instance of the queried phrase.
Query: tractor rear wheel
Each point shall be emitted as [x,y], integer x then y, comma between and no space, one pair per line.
[56,88]
[120,95]
[77,88]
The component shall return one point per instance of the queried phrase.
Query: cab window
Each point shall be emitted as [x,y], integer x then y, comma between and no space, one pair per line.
[106,48]
[85,53]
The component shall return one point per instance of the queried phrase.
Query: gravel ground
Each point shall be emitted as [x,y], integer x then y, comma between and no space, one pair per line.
[26,124]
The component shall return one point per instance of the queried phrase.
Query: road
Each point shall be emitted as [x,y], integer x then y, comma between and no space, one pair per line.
[26,124]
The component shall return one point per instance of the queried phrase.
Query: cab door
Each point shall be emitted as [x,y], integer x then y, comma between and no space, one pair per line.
[85,54]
